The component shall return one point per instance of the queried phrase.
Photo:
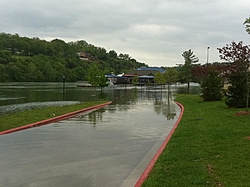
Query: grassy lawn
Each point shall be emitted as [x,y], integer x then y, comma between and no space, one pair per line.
[209,148]
[26,117]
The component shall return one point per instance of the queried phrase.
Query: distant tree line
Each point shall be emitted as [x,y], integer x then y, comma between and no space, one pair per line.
[32,59]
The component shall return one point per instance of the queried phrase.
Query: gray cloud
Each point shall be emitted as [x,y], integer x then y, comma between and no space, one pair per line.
[155,32]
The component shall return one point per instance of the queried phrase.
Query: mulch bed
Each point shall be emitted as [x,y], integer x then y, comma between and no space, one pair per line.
[242,113]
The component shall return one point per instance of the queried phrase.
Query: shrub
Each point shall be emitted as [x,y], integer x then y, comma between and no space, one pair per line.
[211,86]
[237,92]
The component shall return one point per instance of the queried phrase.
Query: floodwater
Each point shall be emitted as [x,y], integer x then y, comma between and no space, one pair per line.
[108,147]
[17,96]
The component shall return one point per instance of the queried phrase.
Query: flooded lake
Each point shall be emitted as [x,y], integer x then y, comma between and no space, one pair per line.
[24,96]
[108,147]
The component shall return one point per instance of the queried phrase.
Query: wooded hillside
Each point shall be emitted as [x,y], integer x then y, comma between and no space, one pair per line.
[32,59]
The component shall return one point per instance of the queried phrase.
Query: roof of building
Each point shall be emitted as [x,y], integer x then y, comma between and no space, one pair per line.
[146,77]
[112,76]
[143,72]
[151,69]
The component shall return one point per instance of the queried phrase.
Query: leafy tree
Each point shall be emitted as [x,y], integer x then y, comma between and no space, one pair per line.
[3,74]
[96,77]
[171,75]
[92,74]
[201,71]
[135,80]
[102,80]
[159,78]
[14,72]
[238,73]
[124,56]
[101,53]
[112,54]
[186,69]
[5,57]
[247,24]
[80,72]
[211,86]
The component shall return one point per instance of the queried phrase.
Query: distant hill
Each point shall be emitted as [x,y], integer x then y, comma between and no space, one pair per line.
[32,59]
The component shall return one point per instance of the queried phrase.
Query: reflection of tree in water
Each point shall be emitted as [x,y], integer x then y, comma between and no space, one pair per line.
[165,105]
[103,96]
[123,99]
[96,116]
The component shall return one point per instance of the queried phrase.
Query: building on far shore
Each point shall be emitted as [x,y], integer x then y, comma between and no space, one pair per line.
[145,75]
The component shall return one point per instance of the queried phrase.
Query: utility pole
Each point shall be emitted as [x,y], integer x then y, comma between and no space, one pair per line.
[63,87]
[207,55]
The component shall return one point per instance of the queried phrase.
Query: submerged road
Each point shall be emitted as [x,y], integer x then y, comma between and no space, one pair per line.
[109,147]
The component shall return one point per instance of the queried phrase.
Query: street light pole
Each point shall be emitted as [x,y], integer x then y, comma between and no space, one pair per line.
[207,54]
[63,88]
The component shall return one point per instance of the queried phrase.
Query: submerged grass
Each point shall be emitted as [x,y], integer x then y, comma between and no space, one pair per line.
[210,147]
[10,121]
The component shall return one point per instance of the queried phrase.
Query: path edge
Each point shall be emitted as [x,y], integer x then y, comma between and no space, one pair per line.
[160,150]
[54,119]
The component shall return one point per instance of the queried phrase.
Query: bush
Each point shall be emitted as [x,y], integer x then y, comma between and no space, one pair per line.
[211,86]
[237,93]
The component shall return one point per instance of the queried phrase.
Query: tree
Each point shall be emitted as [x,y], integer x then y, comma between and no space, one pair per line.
[211,86]
[159,78]
[92,74]
[96,77]
[102,80]
[4,77]
[170,76]
[238,73]
[135,80]
[5,57]
[112,54]
[201,71]
[186,69]
[247,24]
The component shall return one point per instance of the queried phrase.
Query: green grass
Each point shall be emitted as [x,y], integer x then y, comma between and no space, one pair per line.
[208,148]
[30,116]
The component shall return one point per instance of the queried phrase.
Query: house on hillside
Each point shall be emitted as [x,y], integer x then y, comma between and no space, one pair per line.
[84,56]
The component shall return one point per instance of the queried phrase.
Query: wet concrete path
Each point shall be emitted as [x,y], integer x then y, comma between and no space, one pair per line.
[109,147]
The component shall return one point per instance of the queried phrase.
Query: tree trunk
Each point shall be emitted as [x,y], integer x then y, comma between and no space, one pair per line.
[248,85]
[247,102]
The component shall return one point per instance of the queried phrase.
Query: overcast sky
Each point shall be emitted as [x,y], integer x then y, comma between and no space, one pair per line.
[155,32]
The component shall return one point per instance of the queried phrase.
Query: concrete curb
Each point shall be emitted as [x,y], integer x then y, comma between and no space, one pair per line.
[160,150]
[54,119]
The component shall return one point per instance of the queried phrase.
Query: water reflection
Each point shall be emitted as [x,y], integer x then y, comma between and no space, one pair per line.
[93,117]
[129,102]
[165,106]
[23,96]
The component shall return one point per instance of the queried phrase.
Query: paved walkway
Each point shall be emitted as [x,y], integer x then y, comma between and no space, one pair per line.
[109,147]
